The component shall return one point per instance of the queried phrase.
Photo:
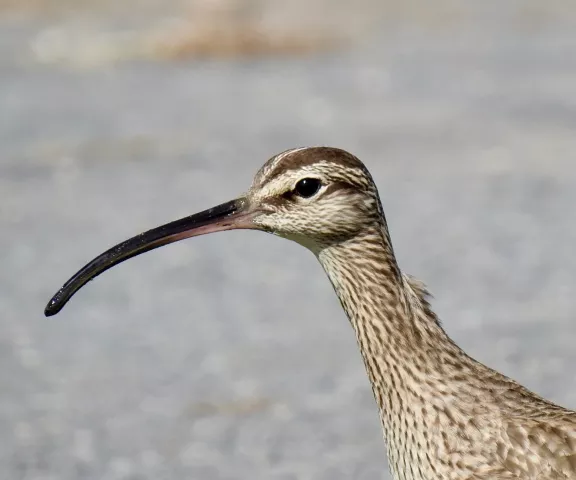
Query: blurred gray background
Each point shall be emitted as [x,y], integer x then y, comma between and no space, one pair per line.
[228,357]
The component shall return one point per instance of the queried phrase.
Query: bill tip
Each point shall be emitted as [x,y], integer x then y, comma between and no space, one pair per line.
[52,308]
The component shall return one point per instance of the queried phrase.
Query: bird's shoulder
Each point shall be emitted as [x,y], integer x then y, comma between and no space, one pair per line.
[522,435]
[540,446]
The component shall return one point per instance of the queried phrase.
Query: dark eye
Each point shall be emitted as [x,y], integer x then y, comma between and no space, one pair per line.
[307,187]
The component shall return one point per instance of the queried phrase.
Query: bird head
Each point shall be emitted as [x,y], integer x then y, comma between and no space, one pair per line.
[316,196]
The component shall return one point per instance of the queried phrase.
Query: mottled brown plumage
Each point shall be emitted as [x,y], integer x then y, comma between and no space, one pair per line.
[444,415]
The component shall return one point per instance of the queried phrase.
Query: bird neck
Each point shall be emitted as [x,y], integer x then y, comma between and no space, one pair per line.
[400,338]
[388,310]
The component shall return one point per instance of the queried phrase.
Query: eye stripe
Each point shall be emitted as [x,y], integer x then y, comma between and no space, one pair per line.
[337,186]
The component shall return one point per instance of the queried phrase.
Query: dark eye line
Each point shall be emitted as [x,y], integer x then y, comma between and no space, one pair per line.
[289,194]
[336,186]
[329,189]
[297,190]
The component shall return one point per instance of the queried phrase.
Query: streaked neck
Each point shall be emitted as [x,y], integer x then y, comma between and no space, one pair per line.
[388,310]
[400,338]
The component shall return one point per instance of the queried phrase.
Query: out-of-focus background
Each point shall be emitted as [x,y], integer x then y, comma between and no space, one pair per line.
[228,357]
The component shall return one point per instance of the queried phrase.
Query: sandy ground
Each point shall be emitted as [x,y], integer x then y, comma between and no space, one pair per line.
[228,357]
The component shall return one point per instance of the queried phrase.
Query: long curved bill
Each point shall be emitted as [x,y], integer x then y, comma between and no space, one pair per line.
[235,214]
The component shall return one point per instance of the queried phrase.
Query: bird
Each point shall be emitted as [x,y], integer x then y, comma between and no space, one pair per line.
[444,415]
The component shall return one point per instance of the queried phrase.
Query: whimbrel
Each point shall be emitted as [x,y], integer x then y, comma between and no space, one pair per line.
[444,415]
